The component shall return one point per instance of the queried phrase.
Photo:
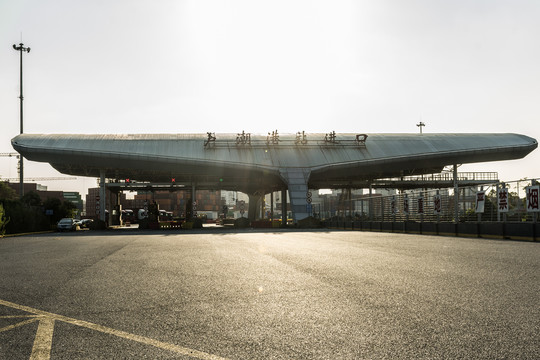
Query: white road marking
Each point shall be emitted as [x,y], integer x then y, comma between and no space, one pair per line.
[43,342]
[18,324]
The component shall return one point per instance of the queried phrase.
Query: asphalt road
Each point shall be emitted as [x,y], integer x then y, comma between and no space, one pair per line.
[267,295]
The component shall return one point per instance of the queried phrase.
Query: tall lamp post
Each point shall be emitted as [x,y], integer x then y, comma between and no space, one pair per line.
[420,125]
[21,49]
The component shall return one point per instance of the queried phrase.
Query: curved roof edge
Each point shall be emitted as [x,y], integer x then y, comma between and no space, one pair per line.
[155,156]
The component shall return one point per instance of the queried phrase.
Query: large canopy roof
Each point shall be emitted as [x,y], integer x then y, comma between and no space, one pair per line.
[252,163]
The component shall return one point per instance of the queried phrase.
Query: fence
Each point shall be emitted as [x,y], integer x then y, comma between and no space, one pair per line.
[417,211]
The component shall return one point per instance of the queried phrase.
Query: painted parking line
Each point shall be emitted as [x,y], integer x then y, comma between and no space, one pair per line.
[43,342]
[18,324]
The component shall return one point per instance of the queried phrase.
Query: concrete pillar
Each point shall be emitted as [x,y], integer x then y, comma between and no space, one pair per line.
[272,206]
[351,214]
[263,206]
[297,183]
[370,205]
[253,207]
[118,207]
[456,195]
[284,208]
[193,201]
[102,200]
[110,208]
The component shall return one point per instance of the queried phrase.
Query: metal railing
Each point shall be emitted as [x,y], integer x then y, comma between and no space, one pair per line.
[439,205]
[448,176]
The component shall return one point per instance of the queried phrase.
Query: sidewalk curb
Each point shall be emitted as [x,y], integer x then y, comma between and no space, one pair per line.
[29,233]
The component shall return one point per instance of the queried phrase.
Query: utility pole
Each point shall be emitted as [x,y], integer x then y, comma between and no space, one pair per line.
[21,49]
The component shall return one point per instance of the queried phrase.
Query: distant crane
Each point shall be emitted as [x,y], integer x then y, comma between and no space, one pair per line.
[18,156]
[10,154]
[40,178]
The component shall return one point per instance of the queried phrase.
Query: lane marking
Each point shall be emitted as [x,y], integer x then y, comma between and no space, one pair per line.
[47,328]
[43,342]
[18,324]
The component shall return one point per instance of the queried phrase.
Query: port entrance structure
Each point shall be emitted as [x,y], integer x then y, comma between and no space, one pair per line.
[259,164]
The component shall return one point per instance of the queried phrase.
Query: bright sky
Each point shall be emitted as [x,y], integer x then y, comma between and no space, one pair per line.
[170,66]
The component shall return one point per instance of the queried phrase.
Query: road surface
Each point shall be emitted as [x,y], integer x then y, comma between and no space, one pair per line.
[212,294]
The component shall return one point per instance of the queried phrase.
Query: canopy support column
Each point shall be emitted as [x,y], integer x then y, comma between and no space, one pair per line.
[456,196]
[253,206]
[192,206]
[297,183]
[102,200]
[272,207]
[284,208]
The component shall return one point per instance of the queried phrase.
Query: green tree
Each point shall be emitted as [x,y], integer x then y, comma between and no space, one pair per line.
[3,220]
[69,208]
[23,218]
[31,198]
[58,209]
[6,192]
[52,207]
[21,215]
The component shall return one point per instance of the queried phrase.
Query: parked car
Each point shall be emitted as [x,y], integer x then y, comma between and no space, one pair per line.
[86,223]
[66,224]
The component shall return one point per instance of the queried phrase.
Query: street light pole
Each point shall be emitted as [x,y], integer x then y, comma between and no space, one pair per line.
[420,125]
[21,49]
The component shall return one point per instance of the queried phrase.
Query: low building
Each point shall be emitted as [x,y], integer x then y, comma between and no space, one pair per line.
[41,190]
